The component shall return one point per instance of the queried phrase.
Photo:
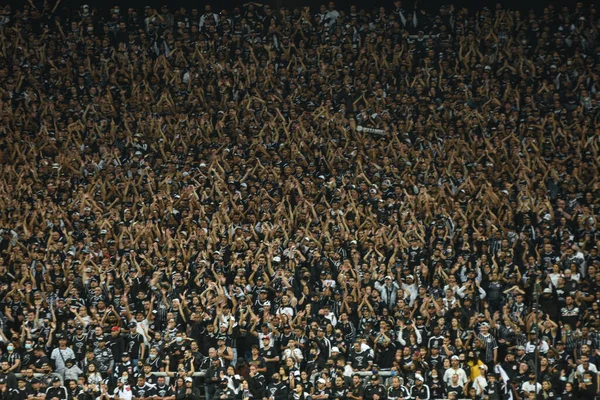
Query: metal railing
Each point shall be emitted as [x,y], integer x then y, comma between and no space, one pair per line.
[201,374]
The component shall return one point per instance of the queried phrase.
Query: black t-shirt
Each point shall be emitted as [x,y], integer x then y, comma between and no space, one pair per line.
[145,390]
[259,362]
[357,391]
[360,359]
[570,315]
[271,352]
[79,346]
[28,358]
[134,342]
[163,391]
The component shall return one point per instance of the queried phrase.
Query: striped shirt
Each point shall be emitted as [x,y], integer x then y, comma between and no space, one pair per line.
[490,344]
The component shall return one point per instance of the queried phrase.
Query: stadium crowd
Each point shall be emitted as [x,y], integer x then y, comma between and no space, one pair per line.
[191,190]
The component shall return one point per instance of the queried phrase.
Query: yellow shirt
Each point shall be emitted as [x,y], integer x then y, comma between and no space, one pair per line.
[474,369]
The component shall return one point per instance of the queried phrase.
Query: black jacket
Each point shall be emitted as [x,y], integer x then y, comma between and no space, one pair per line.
[59,392]
[278,391]
[10,394]
[182,395]
[256,385]
[227,392]
[211,378]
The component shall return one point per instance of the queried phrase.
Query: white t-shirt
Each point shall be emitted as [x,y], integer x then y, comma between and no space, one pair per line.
[60,356]
[142,328]
[530,347]
[480,384]
[124,392]
[531,387]
[462,376]
[592,368]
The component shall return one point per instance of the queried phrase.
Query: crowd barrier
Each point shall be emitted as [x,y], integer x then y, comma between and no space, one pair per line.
[201,374]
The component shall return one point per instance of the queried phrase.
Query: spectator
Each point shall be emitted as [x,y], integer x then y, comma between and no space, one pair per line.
[317,193]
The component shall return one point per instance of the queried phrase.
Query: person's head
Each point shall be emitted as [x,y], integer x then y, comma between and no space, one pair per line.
[485,327]
[266,341]
[546,385]
[216,362]
[153,353]
[419,380]
[5,365]
[585,360]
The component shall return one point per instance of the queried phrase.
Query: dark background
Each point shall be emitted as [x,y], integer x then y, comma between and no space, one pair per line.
[429,5]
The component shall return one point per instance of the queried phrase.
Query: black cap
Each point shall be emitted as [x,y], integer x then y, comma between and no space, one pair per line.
[126,354]
[2,380]
[35,380]
[56,379]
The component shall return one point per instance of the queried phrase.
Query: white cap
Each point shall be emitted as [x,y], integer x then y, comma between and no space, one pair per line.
[267,303]
[276,259]
[321,380]
[335,349]
[419,377]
